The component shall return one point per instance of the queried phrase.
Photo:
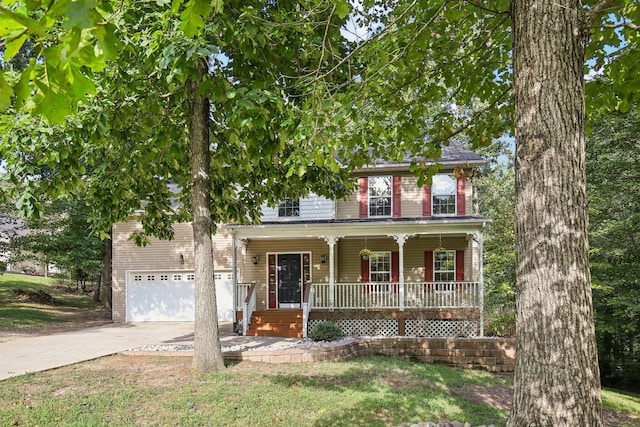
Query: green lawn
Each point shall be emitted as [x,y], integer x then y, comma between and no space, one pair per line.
[131,391]
[22,313]
[123,391]
[368,391]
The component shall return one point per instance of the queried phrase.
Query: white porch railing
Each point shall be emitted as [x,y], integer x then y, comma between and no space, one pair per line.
[241,293]
[387,295]
[307,306]
[248,307]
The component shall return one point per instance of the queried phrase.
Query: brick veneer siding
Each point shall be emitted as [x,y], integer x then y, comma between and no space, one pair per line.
[491,354]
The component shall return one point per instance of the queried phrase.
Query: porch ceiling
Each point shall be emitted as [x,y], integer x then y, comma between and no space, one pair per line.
[419,226]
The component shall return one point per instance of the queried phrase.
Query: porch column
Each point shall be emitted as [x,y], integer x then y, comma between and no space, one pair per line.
[234,266]
[401,239]
[480,237]
[331,241]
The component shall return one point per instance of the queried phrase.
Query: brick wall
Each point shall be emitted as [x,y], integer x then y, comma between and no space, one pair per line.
[491,354]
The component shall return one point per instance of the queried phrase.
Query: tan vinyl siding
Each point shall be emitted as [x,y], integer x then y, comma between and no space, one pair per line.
[468,198]
[411,200]
[158,255]
[348,208]
[222,249]
[411,197]
[258,273]
[349,260]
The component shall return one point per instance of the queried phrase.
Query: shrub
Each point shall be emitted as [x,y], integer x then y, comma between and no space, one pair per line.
[325,331]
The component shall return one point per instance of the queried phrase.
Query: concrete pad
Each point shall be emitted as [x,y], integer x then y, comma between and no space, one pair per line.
[20,355]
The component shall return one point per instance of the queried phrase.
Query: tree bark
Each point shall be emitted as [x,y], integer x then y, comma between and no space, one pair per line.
[557,381]
[207,350]
[105,280]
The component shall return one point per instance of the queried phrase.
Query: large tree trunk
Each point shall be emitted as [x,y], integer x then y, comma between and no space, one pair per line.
[207,351]
[557,380]
[104,291]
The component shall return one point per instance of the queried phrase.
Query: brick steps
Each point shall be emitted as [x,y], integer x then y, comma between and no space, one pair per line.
[276,323]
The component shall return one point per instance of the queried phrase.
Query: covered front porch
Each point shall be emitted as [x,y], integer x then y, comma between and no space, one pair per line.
[431,270]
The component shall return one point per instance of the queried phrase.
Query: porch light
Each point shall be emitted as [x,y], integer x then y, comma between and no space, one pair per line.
[255,259]
[323,259]
[181,259]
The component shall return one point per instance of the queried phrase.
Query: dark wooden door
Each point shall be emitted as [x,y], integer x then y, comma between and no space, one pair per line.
[289,279]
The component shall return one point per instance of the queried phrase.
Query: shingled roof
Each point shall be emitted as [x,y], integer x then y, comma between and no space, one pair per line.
[455,153]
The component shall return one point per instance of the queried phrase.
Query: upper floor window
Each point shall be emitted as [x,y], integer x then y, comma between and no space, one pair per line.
[444,266]
[443,193]
[289,207]
[380,193]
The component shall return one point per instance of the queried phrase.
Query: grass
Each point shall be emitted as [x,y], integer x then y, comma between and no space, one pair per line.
[24,314]
[621,401]
[368,391]
[133,391]
[125,391]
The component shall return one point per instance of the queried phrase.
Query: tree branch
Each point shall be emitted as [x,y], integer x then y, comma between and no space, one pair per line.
[629,25]
[600,8]
[477,4]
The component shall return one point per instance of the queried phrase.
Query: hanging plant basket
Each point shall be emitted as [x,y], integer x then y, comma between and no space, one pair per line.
[365,254]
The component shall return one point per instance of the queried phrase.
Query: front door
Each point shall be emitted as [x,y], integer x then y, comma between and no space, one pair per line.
[289,280]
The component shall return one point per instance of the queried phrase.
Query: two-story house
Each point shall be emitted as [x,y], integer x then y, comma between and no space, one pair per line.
[395,258]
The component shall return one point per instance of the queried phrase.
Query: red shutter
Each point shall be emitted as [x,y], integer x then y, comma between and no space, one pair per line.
[461,196]
[395,269]
[426,200]
[272,281]
[364,274]
[306,271]
[364,197]
[459,266]
[428,267]
[397,196]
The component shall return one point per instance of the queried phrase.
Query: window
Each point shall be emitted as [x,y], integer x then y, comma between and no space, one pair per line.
[177,277]
[380,190]
[164,277]
[380,270]
[289,207]
[191,277]
[151,278]
[137,278]
[443,192]
[444,267]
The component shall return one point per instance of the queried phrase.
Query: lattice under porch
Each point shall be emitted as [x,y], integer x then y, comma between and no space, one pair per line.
[452,323]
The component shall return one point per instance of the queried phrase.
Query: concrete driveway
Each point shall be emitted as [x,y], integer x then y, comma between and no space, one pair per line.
[20,355]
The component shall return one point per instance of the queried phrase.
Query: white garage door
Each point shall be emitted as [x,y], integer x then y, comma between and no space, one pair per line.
[169,296]
[224,295]
[160,296]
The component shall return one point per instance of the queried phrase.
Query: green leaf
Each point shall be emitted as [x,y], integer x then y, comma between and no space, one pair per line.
[54,106]
[21,88]
[12,47]
[192,16]
[5,93]
[343,8]
[11,20]
[79,14]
